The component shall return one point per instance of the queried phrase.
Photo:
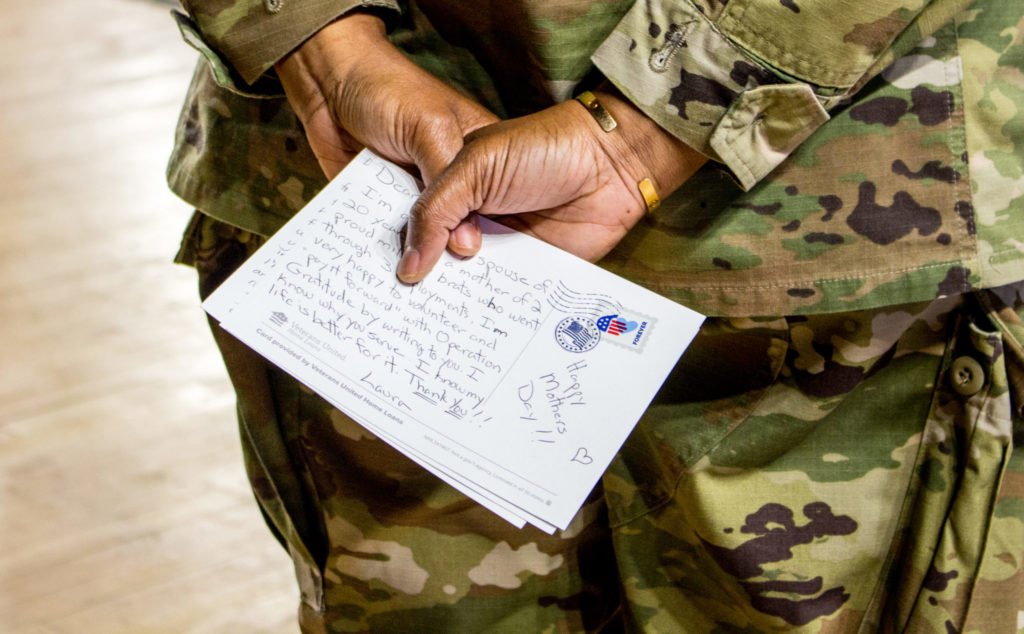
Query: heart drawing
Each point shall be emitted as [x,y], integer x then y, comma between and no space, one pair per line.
[582,456]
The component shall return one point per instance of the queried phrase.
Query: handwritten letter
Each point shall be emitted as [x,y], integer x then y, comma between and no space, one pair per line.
[514,375]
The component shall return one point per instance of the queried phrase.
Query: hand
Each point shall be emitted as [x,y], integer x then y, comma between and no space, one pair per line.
[554,174]
[351,88]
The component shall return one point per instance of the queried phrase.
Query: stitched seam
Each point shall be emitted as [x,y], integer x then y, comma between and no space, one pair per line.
[959,135]
[959,143]
[818,281]
[729,153]
[727,19]
[1009,250]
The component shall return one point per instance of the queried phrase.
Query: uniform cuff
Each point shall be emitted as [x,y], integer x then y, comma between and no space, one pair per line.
[697,84]
[251,39]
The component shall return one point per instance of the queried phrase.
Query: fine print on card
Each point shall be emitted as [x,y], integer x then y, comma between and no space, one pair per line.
[514,375]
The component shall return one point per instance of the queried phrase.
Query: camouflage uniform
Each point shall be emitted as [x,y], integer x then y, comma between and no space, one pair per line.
[834,453]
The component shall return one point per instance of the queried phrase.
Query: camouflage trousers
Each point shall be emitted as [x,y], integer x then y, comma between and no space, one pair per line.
[847,472]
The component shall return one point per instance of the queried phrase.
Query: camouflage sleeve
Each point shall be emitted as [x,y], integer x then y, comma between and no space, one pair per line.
[251,35]
[746,81]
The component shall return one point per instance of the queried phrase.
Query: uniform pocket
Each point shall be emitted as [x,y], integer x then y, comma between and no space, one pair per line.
[713,389]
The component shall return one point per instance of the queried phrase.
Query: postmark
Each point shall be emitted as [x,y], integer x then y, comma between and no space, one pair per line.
[577,334]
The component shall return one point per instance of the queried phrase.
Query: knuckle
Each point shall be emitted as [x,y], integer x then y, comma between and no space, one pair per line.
[426,215]
[435,218]
[436,126]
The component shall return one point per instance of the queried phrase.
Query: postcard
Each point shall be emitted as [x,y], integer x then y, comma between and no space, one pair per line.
[514,375]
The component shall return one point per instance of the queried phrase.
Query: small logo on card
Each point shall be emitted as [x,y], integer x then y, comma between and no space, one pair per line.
[279,319]
[629,331]
[577,334]
[615,325]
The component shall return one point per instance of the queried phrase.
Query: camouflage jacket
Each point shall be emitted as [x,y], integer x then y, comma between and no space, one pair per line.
[864,153]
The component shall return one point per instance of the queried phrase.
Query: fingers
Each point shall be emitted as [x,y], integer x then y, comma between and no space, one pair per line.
[472,116]
[441,217]
[435,147]
[437,139]
[465,239]
[333,147]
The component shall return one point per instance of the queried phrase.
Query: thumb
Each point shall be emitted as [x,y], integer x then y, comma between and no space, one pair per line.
[442,208]
[434,145]
[437,141]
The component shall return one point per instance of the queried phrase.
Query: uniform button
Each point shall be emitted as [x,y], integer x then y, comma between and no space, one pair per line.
[967,376]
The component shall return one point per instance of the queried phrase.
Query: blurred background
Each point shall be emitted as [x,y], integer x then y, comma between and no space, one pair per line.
[123,502]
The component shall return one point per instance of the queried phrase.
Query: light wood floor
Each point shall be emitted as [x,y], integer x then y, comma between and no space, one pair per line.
[123,505]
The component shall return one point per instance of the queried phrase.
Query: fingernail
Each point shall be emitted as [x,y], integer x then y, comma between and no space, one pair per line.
[408,266]
[465,237]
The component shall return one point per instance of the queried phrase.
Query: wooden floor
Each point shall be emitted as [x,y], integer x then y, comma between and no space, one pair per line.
[123,505]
